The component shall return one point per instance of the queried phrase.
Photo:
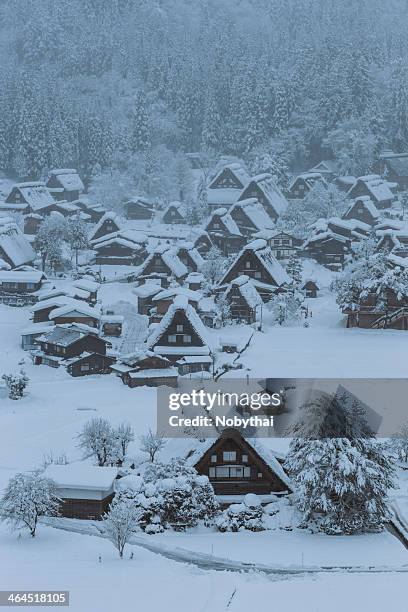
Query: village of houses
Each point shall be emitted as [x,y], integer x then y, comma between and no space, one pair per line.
[155,300]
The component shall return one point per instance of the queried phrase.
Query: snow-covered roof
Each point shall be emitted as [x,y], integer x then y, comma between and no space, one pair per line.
[379,189]
[69,179]
[180,303]
[326,165]
[17,276]
[179,206]
[62,336]
[155,373]
[55,301]
[172,292]
[110,215]
[13,244]
[367,203]
[36,194]
[265,256]
[222,195]
[36,328]
[169,256]
[81,476]
[226,219]
[309,177]
[147,290]
[256,213]
[86,284]
[271,191]
[237,169]
[247,289]
[75,306]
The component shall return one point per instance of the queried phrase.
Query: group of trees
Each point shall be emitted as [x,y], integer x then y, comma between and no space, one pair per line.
[55,231]
[107,444]
[252,79]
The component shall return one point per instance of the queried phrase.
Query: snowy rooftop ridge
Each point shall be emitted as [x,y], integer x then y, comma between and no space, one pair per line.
[79,475]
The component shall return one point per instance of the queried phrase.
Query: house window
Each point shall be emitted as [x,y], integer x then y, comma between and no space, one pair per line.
[216,225]
[247,265]
[179,328]
[85,367]
[286,242]
[172,339]
[229,456]
[211,472]
[259,474]
[244,458]
[213,458]
[230,471]
[258,275]
[187,339]
[173,213]
[276,242]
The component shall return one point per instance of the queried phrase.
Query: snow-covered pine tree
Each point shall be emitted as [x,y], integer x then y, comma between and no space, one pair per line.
[140,130]
[77,235]
[16,384]
[341,475]
[27,497]
[295,268]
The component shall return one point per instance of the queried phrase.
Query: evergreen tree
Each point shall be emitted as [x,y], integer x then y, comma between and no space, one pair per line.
[140,131]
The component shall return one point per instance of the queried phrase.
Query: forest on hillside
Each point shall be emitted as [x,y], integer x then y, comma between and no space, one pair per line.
[123,89]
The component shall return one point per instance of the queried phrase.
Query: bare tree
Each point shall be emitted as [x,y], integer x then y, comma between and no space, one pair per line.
[124,435]
[98,438]
[121,522]
[151,443]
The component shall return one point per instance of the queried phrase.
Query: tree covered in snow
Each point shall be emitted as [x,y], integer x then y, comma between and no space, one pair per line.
[26,498]
[370,274]
[121,522]
[152,443]
[98,438]
[274,162]
[170,495]
[124,436]
[399,443]
[294,268]
[77,235]
[16,384]
[246,515]
[49,240]
[139,137]
[341,474]
[286,308]
[224,314]
[215,265]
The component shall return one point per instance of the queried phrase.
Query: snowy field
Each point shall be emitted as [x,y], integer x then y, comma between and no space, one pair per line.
[53,412]
[57,560]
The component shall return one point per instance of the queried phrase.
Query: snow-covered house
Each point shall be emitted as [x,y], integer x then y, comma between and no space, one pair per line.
[363,209]
[164,263]
[86,491]
[304,183]
[257,261]
[326,246]
[65,184]
[310,287]
[111,324]
[15,250]
[125,247]
[146,368]
[20,281]
[236,466]
[394,167]
[63,343]
[145,294]
[282,244]
[90,286]
[75,311]
[32,223]
[32,197]
[194,281]
[264,189]
[327,168]
[175,213]
[244,300]
[108,224]
[251,217]
[380,191]
[224,232]
[180,333]
[225,187]
[163,299]
[395,240]
[139,209]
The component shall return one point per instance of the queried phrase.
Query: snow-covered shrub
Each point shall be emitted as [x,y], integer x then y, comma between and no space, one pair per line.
[247,515]
[16,384]
[167,498]
[26,498]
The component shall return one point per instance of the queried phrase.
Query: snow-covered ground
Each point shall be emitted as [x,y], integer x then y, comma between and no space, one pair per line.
[58,560]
